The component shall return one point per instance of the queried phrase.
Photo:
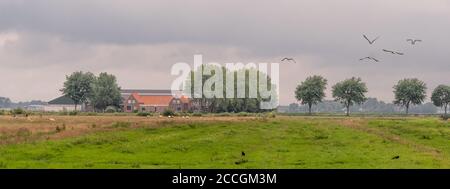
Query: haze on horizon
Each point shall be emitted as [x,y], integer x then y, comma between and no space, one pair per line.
[41,41]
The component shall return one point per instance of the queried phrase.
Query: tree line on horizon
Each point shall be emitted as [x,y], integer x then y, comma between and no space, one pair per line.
[408,92]
[7,103]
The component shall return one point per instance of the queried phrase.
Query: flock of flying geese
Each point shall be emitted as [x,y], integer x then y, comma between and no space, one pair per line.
[412,41]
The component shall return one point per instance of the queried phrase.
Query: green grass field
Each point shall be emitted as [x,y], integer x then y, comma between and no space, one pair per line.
[281,142]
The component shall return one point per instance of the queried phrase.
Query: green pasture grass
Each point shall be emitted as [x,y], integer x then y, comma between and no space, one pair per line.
[281,142]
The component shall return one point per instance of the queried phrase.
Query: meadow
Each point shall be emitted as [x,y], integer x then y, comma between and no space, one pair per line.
[219,142]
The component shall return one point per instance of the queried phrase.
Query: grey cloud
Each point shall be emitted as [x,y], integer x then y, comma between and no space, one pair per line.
[126,37]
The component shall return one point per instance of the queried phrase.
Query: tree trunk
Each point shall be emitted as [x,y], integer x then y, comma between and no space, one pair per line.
[309,105]
[445,110]
[75,106]
[348,110]
[407,108]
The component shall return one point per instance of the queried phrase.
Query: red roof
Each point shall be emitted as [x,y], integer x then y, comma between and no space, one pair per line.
[157,100]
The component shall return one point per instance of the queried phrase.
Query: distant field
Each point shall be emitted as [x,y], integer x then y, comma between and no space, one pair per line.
[217,142]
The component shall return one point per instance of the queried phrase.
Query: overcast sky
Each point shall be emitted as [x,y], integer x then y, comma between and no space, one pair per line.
[41,41]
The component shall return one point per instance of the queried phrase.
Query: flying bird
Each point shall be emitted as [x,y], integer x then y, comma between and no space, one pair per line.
[288,59]
[370,41]
[370,58]
[392,52]
[413,41]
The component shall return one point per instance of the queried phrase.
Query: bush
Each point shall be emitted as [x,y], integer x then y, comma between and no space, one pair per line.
[91,114]
[2,112]
[63,113]
[243,114]
[144,114]
[168,112]
[197,114]
[73,113]
[183,114]
[17,111]
[271,115]
[111,109]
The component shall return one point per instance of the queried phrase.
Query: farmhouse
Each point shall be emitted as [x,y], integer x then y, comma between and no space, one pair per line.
[155,103]
[132,100]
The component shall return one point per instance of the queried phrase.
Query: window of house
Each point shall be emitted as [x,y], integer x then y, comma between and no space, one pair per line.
[129,108]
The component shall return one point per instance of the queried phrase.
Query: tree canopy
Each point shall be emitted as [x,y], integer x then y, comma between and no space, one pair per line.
[409,91]
[105,92]
[349,92]
[441,97]
[78,86]
[233,100]
[311,91]
[100,92]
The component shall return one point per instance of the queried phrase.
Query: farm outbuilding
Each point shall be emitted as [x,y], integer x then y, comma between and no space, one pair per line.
[60,104]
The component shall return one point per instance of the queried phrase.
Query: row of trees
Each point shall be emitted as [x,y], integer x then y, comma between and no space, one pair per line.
[233,104]
[352,91]
[100,92]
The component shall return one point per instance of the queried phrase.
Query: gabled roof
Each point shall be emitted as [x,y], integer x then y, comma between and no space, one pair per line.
[64,100]
[155,100]
[146,91]
[126,93]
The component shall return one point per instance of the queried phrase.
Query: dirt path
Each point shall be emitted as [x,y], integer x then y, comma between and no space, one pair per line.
[360,124]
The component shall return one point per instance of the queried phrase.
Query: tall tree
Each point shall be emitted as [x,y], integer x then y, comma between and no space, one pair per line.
[349,92]
[311,91]
[105,92]
[441,97]
[78,86]
[409,91]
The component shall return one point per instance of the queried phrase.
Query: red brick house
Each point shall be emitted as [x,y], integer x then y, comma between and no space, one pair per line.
[155,103]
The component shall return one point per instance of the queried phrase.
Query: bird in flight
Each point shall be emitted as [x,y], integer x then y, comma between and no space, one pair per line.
[413,41]
[392,52]
[370,58]
[288,59]
[370,41]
